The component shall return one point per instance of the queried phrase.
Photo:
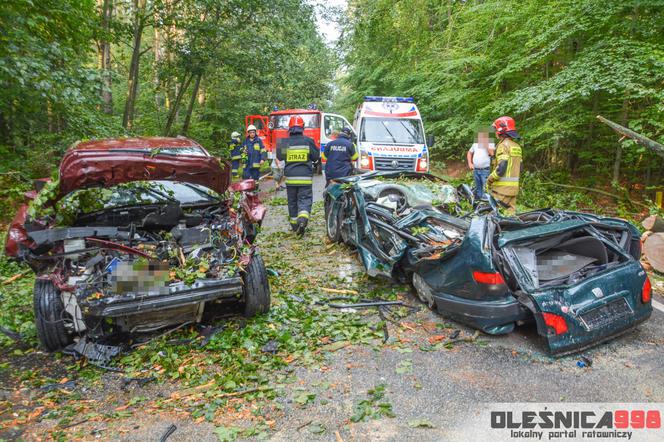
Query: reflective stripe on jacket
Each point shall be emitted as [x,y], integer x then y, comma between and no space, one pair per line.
[255,152]
[235,146]
[509,151]
[299,153]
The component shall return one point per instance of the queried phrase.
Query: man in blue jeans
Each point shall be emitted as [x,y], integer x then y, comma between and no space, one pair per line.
[479,161]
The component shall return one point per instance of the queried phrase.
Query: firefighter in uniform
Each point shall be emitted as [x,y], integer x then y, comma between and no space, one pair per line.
[235,146]
[300,153]
[503,183]
[339,154]
[256,154]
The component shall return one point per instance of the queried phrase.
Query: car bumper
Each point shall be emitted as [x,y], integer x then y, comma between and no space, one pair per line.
[494,317]
[579,338]
[174,297]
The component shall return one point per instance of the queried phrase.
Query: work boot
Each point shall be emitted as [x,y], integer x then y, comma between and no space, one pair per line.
[301,226]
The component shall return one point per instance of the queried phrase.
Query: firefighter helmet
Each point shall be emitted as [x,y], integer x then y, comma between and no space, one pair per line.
[296,120]
[251,127]
[235,135]
[503,125]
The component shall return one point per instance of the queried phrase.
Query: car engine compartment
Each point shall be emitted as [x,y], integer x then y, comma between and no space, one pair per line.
[97,266]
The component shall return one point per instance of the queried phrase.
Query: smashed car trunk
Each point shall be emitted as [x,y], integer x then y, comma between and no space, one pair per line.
[577,275]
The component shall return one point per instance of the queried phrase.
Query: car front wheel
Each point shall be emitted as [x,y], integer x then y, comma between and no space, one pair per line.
[423,291]
[50,317]
[333,223]
[256,288]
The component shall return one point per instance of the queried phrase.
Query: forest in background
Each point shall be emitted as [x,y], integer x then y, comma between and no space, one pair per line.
[553,66]
[82,69]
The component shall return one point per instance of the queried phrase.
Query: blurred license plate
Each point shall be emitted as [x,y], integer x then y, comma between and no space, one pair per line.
[606,314]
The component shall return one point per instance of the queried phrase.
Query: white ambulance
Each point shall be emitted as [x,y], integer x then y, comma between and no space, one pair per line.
[390,135]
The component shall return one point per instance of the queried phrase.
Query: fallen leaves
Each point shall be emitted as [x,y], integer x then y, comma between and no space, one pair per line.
[340,291]
[435,339]
[334,346]
[13,278]
[420,423]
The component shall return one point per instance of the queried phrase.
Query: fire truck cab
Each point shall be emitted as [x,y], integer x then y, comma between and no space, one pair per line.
[322,127]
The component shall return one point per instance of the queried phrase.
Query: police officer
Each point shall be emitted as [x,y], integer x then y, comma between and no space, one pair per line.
[256,154]
[235,146]
[300,153]
[339,154]
[503,182]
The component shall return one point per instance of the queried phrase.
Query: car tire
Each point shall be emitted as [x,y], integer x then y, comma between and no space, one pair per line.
[256,288]
[423,291]
[333,223]
[49,317]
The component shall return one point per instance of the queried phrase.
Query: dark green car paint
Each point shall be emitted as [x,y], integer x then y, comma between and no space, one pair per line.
[623,281]
[495,308]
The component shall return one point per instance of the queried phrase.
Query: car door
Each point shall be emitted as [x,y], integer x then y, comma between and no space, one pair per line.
[332,125]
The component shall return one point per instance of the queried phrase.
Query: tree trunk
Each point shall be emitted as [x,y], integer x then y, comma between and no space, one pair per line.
[132,79]
[653,249]
[653,223]
[616,163]
[105,56]
[176,104]
[159,100]
[590,139]
[192,101]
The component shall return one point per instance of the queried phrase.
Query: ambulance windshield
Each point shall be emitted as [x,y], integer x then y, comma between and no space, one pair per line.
[392,131]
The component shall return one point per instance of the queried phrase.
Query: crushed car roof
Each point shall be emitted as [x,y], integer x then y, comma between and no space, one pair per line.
[120,160]
[136,143]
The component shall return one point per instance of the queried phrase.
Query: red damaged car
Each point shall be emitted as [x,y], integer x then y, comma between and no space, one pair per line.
[137,235]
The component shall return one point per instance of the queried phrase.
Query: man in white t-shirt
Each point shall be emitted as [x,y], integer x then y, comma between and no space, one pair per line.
[277,171]
[479,161]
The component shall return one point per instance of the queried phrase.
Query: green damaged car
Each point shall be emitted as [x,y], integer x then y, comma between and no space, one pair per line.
[577,275]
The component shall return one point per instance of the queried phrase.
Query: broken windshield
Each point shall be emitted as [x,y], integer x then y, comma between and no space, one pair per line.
[392,130]
[137,193]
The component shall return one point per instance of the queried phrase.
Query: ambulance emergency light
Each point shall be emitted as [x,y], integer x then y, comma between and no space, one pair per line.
[384,99]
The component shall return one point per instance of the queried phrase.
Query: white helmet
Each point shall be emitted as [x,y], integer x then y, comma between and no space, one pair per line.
[235,134]
[251,127]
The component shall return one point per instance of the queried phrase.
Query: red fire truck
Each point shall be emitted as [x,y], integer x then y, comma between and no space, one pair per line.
[322,127]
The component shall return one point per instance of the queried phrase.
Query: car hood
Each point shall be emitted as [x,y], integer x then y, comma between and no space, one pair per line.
[91,167]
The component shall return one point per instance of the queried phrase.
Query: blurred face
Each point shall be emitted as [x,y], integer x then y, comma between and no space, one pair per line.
[482,137]
[252,134]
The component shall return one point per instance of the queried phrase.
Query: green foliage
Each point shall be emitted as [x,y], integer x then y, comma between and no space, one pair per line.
[12,187]
[16,298]
[537,193]
[277,201]
[226,59]
[374,406]
[49,87]
[553,66]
